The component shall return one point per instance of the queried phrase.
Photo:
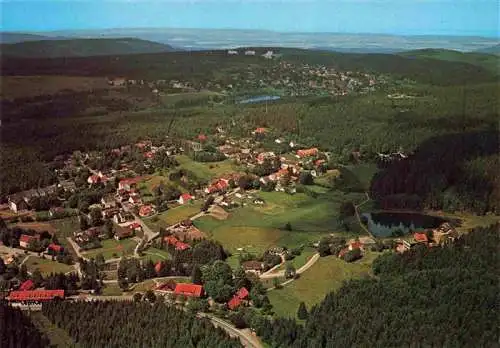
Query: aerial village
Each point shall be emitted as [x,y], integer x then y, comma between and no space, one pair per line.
[117,197]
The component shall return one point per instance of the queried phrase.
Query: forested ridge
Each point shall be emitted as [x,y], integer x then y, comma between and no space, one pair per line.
[454,172]
[128,324]
[17,331]
[434,297]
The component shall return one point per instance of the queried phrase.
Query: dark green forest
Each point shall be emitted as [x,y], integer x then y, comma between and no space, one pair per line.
[17,331]
[454,172]
[431,297]
[128,324]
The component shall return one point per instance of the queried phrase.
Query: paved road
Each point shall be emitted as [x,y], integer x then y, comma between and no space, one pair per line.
[247,339]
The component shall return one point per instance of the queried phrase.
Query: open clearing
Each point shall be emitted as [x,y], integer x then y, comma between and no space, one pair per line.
[112,249]
[326,275]
[46,266]
[299,261]
[207,171]
[256,228]
[156,255]
[174,215]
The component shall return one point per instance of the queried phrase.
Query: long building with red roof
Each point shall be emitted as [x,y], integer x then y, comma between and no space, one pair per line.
[188,289]
[35,295]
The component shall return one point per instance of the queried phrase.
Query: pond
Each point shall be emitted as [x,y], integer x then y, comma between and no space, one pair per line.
[259,99]
[387,224]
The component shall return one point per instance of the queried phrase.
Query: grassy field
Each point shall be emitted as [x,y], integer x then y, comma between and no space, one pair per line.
[58,337]
[174,215]
[326,275]
[156,255]
[111,246]
[46,266]
[256,228]
[207,170]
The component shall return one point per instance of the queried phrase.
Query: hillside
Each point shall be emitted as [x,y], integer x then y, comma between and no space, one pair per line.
[492,50]
[207,65]
[82,48]
[482,59]
[10,38]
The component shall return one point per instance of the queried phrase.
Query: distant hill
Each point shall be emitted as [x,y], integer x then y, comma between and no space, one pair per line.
[11,38]
[82,48]
[201,65]
[492,50]
[487,61]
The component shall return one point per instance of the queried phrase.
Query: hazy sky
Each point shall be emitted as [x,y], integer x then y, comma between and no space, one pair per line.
[411,17]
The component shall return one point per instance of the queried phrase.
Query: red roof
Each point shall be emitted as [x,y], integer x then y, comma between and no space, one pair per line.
[188,289]
[134,225]
[233,303]
[131,180]
[260,130]
[356,245]
[27,285]
[186,197]
[343,252]
[158,267]
[25,238]
[171,240]
[149,154]
[308,152]
[242,293]
[421,237]
[55,247]
[145,210]
[202,137]
[318,162]
[35,295]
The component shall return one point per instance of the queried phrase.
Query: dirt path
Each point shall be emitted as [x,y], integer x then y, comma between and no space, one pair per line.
[356,208]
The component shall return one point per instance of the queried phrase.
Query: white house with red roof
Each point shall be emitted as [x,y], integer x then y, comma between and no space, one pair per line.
[185,198]
[97,178]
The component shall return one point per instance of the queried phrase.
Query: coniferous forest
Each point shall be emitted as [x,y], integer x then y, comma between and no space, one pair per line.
[430,297]
[17,331]
[127,324]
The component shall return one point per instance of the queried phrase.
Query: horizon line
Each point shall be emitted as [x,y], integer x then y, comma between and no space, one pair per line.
[28,31]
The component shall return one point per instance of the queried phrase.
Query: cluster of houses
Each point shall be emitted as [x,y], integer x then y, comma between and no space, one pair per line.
[26,241]
[439,236]
[268,55]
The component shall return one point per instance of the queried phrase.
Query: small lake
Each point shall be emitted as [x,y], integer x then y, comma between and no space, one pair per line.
[259,99]
[391,224]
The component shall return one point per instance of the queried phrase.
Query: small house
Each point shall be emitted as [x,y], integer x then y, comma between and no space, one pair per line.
[307,152]
[238,299]
[421,237]
[185,198]
[146,210]
[253,266]
[54,249]
[25,240]
[27,285]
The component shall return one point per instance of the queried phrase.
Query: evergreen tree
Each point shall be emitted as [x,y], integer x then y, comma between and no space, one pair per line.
[302,311]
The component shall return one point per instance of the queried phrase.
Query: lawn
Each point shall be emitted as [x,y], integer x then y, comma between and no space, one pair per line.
[326,275]
[111,247]
[156,255]
[174,215]
[144,286]
[364,173]
[209,170]
[46,266]
[112,289]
